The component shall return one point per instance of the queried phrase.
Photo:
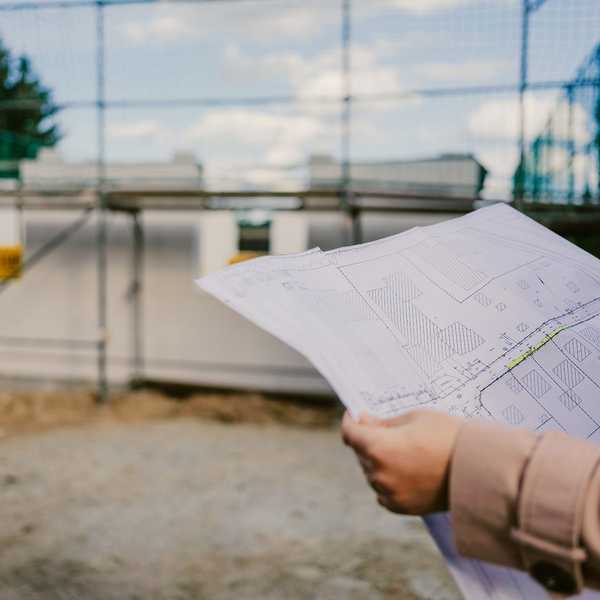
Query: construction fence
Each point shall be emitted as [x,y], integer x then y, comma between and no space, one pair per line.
[424,106]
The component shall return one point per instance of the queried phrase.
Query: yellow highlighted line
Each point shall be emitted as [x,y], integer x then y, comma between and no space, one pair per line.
[545,340]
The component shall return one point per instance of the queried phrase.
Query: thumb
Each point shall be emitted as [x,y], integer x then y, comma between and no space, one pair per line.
[370,420]
[367,419]
[358,435]
[404,419]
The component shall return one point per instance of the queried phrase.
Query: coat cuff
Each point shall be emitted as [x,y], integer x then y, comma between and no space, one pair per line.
[485,478]
[551,509]
[523,501]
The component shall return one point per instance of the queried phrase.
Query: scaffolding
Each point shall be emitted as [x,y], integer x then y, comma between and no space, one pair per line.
[346,197]
[563,160]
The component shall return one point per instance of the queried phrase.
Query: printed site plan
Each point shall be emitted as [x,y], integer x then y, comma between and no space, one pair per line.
[489,315]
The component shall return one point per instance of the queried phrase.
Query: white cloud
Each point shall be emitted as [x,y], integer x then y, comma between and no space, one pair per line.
[295,21]
[500,119]
[496,122]
[469,71]
[430,6]
[425,6]
[169,27]
[135,130]
[274,138]
[162,27]
[172,22]
[409,41]
[501,162]
[318,75]
[323,76]
[228,138]
[373,71]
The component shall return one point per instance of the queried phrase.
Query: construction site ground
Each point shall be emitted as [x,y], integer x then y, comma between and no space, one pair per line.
[214,496]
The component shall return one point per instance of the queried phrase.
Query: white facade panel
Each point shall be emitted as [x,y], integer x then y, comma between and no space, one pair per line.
[288,233]
[218,237]
[10,234]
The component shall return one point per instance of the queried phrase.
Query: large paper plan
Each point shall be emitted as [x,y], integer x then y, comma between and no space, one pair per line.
[489,315]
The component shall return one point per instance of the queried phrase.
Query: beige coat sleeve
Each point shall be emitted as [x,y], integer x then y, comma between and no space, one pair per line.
[530,502]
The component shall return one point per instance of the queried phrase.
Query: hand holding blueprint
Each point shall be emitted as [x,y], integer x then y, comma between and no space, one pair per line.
[490,315]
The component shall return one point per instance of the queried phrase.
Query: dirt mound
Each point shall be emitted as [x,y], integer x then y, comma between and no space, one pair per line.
[35,410]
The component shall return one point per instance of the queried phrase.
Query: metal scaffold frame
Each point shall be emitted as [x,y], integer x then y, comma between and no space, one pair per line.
[101,207]
[353,202]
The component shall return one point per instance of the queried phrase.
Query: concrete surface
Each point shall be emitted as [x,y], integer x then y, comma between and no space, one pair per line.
[190,510]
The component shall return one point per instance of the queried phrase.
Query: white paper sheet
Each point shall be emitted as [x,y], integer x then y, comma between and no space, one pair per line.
[489,315]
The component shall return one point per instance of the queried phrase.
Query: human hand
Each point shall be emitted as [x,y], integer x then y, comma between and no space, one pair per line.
[406,459]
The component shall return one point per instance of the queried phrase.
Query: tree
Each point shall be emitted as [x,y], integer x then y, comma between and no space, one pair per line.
[26,111]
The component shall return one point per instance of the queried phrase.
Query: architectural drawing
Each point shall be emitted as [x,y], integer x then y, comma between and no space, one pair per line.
[404,322]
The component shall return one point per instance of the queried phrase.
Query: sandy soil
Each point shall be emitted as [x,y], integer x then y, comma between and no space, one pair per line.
[213,498]
[36,410]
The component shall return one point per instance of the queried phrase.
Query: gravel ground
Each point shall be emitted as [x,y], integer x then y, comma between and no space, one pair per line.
[186,509]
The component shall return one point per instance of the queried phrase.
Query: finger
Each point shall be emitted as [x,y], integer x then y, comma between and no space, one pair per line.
[378,487]
[384,500]
[356,435]
[346,427]
[367,419]
[388,503]
[367,463]
[398,421]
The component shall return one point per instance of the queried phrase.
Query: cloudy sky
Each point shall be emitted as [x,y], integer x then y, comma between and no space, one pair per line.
[249,49]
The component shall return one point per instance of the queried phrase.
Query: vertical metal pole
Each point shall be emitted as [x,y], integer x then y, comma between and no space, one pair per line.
[544,166]
[21,214]
[535,169]
[570,147]
[137,289]
[522,171]
[596,91]
[101,208]
[550,145]
[346,123]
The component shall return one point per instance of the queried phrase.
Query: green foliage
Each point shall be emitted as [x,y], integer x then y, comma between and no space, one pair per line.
[26,110]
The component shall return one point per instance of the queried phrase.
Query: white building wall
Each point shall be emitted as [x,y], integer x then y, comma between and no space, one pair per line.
[50,171]
[447,175]
[288,233]
[217,240]
[10,231]
[189,337]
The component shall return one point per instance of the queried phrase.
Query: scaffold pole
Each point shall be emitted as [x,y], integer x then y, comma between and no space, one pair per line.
[137,290]
[522,167]
[346,124]
[101,208]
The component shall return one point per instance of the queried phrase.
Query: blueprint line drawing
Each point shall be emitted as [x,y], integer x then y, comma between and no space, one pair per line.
[592,335]
[513,415]
[577,350]
[482,299]
[570,400]
[568,373]
[486,316]
[536,385]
